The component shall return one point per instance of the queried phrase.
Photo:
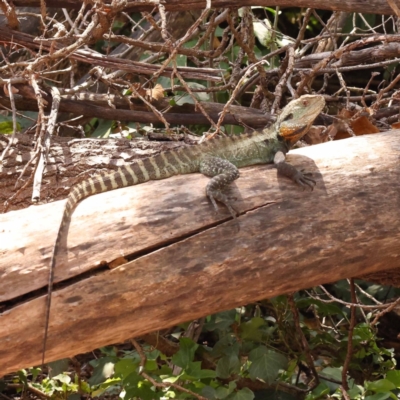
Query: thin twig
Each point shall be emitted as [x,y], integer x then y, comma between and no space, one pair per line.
[303,340]
[349,354]
[14,119]
[389,308]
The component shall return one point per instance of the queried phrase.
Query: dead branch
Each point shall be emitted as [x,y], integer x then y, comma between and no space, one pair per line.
[371,6]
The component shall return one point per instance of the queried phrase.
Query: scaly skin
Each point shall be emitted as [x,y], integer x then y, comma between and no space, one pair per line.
[218,158]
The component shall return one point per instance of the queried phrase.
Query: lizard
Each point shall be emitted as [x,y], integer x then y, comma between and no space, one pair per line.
[219,158]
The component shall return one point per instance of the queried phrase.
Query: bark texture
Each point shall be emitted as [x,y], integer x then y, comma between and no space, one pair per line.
[181,261]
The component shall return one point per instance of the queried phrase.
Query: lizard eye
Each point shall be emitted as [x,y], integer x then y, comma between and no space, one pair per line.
[288,117]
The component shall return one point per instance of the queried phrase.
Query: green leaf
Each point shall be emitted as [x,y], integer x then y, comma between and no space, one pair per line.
[242,394]
[379,396]
[332,373]
[222,392]
[103,130]
[266,364]
[250,330]
[222,320]
[22,123]
[226,346]
[64,378]
[58,367]
[191,43]
[196,372]
[381,386]
[263,32]
[103,369]
[320,390]
[125,367]
[6,127]
[228,365]
[324,309]
[185,355]
[151,365]
[109,384]
[209,392]
[181,60]
[136,387]
[356,391]
[181,100]
[394,377]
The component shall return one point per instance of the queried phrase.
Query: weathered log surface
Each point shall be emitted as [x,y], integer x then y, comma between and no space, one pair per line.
[193,262]
[70,161]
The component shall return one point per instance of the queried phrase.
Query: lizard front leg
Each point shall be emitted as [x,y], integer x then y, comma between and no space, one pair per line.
[291,172]
[223,173]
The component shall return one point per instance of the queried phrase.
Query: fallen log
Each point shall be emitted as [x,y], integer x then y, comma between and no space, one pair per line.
[183,261]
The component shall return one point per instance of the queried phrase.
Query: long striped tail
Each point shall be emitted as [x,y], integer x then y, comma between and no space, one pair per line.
[161,166]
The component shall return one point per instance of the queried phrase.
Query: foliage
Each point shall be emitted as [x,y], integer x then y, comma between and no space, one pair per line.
[242,354]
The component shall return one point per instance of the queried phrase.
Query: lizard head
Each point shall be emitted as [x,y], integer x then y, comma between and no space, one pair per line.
[297,117]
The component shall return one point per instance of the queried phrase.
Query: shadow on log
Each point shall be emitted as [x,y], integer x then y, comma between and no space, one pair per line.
[183,261]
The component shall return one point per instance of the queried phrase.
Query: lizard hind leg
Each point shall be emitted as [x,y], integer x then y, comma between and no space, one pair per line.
[222,173]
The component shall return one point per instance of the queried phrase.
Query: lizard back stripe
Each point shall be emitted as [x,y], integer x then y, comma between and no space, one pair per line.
[97,186]
[160,162]
[142,167]
[91,186]
[126,179]
[193,153]
[85,191]
[178,162]
[138,172]
[103,185]
[156,168]
[185,156]
[129,174]
[184,162]
[113,178]
[150,170]
[167,164]
[74,196]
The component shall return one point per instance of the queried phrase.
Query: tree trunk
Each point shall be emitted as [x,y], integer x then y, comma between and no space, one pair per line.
[182,261]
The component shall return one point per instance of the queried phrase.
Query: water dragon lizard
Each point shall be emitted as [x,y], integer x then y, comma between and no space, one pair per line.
[217,158]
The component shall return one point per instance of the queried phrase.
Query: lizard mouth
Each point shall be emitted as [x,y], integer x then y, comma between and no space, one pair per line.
[292,135]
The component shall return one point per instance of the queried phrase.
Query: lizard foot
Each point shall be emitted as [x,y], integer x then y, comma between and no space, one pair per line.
[222,198]
[301,178]
[304,180]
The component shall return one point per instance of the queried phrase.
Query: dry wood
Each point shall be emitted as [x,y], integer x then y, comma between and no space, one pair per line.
[354,57]
[96,106]
[97,59]
[370,6]
[70,161]
[186,261]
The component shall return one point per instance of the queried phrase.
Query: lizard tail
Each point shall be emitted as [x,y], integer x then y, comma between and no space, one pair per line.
[161,166]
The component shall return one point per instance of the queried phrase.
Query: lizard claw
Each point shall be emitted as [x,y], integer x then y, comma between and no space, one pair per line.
[304,180]
[224,200]
[300,177]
